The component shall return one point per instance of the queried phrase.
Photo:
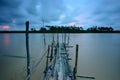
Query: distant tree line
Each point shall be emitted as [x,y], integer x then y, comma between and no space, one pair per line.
[68,29]
[60,29]
[72,29]
[100,29]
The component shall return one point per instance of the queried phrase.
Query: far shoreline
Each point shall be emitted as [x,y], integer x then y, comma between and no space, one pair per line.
[60,32]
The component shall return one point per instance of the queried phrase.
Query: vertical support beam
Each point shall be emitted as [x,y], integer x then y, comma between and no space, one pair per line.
[62,37]
[51,55]
[47,56]
[53,39]
[76,62]
[44,33]
[47,59]
[57,37]
[44,39]
[27,49]
[65,39]
[68,38]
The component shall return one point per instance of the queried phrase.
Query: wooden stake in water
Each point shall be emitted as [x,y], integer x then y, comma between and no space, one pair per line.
[44,33]
[47,56]
[65,38]
[27,49]
[47,61]
[76,61]
[68,38]
[51,55]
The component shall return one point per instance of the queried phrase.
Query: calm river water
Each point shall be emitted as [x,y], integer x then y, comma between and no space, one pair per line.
[99,55]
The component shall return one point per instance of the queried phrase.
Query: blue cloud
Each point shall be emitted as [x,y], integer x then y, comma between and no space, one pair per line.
[85,12]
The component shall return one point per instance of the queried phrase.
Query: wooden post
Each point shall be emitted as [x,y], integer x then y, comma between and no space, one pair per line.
[62,37]
[51,55]
[44,33]
[47,56]
[27,49]
[47,59]
[76,61]
[68,38]
[65,38]
[57,37]
[53,39]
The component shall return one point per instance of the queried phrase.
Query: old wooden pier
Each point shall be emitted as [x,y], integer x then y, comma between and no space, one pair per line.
[57,61]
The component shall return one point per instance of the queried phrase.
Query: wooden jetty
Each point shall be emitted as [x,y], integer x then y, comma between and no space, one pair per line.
[57,63]
[59,68]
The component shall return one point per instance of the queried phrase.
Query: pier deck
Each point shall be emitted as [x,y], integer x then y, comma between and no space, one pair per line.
[59,68]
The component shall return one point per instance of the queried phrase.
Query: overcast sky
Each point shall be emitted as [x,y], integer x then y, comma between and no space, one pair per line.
[84,13]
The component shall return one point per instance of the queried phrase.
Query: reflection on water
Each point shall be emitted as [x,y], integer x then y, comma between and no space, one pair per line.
[14,56]
[6,39]
[99,55]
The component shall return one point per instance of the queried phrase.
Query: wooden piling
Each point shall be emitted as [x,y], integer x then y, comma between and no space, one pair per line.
[51,55]
[65,38]
[68,38]
[76,62]
[27,49]
[47,59]
[57,37]
[47,56]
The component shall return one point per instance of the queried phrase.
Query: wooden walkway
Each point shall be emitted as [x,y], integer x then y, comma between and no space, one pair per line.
[58,68]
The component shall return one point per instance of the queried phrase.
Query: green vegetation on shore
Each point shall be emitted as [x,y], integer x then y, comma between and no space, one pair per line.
[68,29]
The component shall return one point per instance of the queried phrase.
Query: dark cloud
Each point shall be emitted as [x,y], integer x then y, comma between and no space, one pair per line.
[10,4]
[98,12]
[107,13]
[9,10]
[51,10]
[18,11]
[84,12]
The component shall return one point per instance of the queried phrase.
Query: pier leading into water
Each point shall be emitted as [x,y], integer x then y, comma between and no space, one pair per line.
[57,61]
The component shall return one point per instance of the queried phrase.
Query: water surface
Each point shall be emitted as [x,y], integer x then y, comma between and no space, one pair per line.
[99,55]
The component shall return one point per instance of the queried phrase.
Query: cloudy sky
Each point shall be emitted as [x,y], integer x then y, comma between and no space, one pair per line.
[86,13]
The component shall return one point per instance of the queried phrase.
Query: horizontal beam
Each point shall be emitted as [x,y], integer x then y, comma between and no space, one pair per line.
[88,77]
